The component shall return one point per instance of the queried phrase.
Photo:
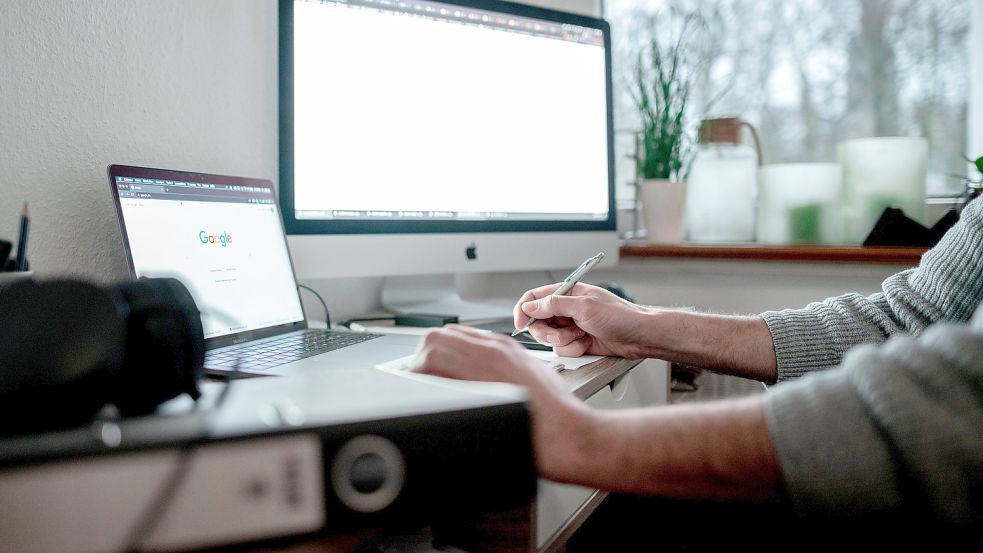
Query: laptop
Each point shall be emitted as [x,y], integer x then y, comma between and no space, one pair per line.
[223,238]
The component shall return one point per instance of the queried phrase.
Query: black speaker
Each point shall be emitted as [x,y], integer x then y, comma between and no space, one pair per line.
[68,348]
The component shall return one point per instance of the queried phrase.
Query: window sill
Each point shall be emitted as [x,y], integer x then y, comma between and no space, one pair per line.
[795,253]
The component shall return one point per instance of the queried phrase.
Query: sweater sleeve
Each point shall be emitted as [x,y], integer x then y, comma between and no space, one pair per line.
[946,286]
[898,427]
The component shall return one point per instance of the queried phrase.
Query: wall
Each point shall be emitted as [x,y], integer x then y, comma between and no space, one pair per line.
[181,83]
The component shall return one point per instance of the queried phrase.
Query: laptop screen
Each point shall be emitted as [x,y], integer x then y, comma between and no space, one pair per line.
[223,241]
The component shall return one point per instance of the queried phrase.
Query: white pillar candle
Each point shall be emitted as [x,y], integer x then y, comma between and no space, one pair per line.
[879,173]
[799,202]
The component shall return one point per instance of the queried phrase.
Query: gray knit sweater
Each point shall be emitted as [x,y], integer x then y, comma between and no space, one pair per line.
[898,426]
[947,286]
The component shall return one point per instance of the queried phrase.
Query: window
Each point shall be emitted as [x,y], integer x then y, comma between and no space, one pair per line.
[810,73]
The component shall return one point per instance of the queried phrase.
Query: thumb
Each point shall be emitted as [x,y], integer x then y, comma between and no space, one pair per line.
[555,306]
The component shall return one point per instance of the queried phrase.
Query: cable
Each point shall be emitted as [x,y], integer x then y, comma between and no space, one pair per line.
[151,519]
[327,317]
[232,376]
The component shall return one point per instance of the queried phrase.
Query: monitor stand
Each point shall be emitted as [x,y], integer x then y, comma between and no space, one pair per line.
[437,294]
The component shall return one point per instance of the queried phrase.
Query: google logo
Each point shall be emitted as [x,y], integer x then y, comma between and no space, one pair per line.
[224,239]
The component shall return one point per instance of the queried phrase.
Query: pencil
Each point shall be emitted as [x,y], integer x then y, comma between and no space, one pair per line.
[25,224]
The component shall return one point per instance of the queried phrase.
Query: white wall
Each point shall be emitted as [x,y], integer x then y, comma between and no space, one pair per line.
[185,84]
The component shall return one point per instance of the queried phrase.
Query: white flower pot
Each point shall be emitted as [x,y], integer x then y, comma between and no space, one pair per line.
[662,209]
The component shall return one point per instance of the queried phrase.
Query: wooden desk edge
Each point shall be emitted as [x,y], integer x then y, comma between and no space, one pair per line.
[558,542]
[590,379]
[585,382]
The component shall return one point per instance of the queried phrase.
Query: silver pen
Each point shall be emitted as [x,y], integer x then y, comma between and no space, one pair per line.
[568,283]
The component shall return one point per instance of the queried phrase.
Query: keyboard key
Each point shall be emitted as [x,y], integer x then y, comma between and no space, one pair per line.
[273,353]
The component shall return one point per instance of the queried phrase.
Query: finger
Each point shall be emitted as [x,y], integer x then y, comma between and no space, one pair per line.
[521,319]
[575,348]
[521,316]
[556,306]
[476,337]
[561,321]
[463,353]
[477,342]
[456,337]
[563,335]
[541,330]
[438,361]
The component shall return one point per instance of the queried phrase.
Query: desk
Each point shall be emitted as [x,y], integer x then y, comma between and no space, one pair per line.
[520,529]
[607,384]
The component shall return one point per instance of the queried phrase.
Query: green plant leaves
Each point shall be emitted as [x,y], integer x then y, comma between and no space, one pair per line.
[662,81]
[979,164]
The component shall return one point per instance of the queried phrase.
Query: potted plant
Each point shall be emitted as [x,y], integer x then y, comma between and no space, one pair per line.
[662,82]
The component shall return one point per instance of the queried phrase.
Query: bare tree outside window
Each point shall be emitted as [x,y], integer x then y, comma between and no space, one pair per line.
[811,73]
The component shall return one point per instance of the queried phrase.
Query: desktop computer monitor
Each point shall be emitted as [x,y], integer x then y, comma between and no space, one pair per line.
[421,137]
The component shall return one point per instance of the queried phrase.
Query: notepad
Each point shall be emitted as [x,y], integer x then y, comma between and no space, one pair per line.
[567,363]
[548,358]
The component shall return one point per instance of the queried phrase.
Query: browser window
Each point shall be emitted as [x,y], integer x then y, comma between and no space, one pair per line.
[224,243]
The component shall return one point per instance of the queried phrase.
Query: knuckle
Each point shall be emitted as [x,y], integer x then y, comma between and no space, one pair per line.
[431,337]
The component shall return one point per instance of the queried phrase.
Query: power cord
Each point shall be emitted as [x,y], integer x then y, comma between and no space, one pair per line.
[327,317]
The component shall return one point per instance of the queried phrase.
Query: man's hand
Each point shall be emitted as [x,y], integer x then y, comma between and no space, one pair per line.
[560,422]
[588,320]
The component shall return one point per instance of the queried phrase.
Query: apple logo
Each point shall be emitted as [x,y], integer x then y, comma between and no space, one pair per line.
[471,252]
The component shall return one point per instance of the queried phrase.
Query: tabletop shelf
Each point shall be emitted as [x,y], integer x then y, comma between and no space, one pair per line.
[759,252]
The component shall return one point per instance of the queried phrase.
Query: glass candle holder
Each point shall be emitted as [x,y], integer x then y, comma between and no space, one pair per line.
[879,173]
[799,203]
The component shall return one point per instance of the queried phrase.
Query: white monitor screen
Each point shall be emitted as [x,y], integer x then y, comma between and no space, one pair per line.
[415,110]
[225,243]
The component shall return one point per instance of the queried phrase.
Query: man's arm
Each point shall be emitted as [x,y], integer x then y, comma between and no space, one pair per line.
[946,286]
[719,451]
[896,427]
[594,321]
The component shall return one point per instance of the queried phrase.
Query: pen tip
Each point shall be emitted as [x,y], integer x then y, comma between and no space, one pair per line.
[23,210]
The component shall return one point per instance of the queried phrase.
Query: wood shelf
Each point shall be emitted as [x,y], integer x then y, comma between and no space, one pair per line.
[759,252]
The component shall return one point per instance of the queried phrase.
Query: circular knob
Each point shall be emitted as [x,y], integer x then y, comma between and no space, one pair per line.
[368,473]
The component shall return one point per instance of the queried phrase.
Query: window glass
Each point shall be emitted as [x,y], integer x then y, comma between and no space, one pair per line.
[811,73]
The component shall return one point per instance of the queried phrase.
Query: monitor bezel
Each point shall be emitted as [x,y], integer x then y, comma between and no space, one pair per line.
[327,226]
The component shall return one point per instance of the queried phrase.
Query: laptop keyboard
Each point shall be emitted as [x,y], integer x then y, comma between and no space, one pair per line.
[273,353]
